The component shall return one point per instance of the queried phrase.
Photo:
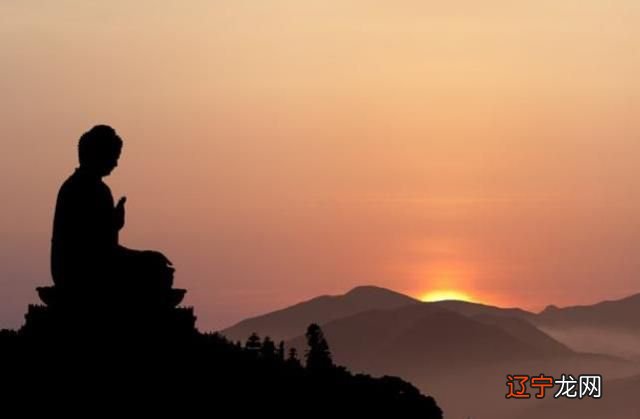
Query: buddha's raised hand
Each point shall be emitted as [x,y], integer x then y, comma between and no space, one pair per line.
[120,213]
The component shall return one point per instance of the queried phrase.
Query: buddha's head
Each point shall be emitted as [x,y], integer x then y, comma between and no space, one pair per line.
[99,150]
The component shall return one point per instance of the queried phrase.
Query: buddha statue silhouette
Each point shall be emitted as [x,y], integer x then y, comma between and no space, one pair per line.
[85,252]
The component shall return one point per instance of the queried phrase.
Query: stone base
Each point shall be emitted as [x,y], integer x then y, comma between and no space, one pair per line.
[109,313]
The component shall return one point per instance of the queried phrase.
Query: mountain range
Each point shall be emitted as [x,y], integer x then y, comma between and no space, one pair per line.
[449,348]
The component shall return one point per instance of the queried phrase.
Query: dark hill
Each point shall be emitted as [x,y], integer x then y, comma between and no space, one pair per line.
[204,374]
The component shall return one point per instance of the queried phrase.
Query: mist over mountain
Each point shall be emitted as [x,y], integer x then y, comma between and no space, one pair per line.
[609,327]
[621,315]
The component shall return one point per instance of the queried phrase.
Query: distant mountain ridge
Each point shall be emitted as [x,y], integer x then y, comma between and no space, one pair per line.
[544,330]
[474,309]
[371,327]
[622,314]
[290,322]
[431,338]
[286,323]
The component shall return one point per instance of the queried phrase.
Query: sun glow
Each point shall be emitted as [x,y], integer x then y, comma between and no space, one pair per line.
[441,295]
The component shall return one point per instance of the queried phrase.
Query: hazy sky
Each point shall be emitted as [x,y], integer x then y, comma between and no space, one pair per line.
[278,150]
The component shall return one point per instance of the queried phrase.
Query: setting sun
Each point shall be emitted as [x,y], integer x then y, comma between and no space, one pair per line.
[441,295]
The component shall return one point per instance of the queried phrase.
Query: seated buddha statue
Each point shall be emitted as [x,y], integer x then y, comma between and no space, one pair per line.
[85,250]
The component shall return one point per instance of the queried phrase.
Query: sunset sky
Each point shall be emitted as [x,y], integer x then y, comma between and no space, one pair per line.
[279,150]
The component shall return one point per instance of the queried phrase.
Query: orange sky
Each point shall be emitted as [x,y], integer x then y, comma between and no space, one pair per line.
[280,150]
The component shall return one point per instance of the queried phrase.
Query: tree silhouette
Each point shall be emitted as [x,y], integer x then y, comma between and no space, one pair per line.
[280,351]
[268,350]
[253,343]
[293,360]
[318,355]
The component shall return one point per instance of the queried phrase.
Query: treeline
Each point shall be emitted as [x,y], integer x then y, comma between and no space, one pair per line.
[204,377]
